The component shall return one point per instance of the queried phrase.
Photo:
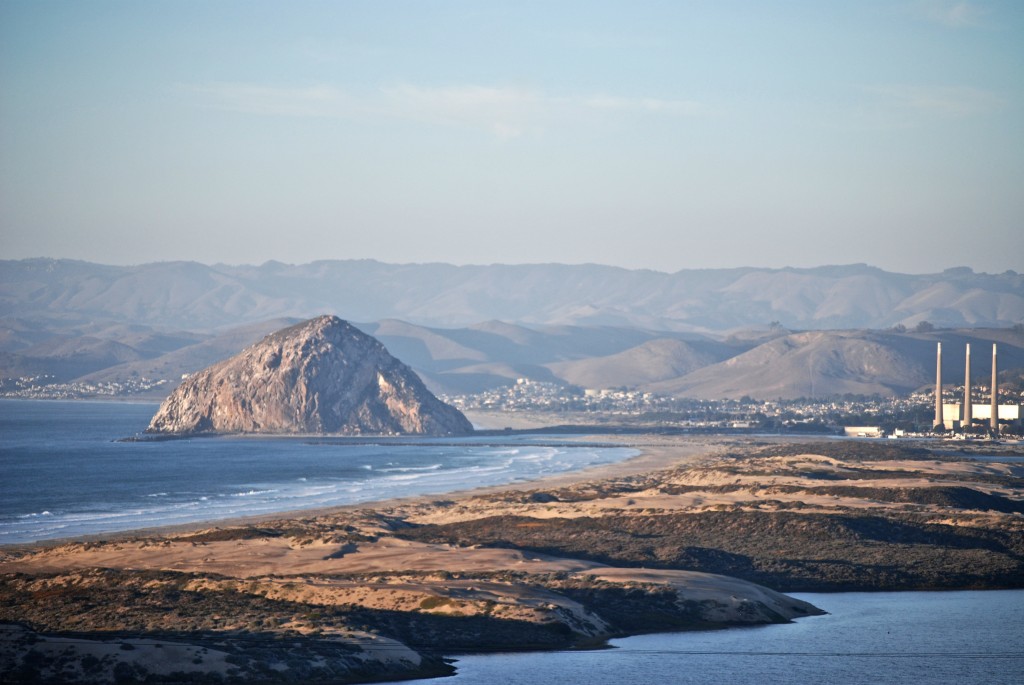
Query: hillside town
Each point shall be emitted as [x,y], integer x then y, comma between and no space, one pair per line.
[871,416]
[43,387]
[567,405]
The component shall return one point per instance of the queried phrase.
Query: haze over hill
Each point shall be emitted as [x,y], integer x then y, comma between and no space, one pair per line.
[831,363]
[192,296]
[587,326]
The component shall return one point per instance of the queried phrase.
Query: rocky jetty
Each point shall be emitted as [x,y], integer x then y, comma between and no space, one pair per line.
[320,376]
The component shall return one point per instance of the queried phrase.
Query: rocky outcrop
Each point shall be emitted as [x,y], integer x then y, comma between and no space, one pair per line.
[320,376]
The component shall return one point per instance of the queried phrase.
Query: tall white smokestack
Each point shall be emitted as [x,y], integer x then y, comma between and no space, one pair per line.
[939,424]
[994,420]
[968,410]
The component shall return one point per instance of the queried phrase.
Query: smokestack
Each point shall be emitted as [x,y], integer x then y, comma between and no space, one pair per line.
[965,423]
[939,423]
[994,420]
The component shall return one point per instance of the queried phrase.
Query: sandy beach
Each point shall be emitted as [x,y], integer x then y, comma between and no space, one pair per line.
[652,454]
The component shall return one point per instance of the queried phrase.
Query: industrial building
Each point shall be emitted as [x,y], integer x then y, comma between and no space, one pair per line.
[957,416]
[1008,413]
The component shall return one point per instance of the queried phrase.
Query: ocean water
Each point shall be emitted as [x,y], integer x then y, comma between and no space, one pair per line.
[64,472]
[898,638]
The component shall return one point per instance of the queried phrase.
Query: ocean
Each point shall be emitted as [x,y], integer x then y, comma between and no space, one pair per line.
[64,470]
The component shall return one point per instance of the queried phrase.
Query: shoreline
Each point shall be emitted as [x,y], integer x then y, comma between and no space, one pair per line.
[649,457]
[655,452]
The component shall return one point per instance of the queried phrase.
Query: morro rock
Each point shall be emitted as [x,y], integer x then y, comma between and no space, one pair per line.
[320,376]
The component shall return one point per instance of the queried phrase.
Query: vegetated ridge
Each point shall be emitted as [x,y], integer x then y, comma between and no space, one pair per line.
[795,516]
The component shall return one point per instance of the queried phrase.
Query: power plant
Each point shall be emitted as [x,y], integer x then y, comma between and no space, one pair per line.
[939,423]
[968,415]
[961,416]
[994,411]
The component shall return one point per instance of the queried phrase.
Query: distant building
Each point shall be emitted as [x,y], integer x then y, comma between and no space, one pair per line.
[863,431]
[1009,413]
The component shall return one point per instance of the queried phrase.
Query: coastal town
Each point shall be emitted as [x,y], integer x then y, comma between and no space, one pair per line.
[557,404]
[44,387]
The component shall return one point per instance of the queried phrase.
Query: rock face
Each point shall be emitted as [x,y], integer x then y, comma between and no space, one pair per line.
[319,376]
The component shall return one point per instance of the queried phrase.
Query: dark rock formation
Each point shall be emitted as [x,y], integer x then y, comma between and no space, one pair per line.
[319,376]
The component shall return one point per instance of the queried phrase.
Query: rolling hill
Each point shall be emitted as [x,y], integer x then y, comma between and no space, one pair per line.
[832,363]
[649,362]
[197,297]
[697,333]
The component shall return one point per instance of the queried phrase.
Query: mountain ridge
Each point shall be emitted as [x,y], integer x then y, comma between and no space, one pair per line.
[471,360]
[193,296]
[467,329]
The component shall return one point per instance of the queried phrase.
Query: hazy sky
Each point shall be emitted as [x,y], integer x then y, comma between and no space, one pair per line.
[662,135]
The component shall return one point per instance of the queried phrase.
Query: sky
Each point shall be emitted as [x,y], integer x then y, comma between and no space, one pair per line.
[657,135]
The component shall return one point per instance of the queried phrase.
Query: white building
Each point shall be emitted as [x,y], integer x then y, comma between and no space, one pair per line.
[863,431]
[979,412]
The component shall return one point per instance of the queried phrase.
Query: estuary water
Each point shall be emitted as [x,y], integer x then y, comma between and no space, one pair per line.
[898,638]
[64,472]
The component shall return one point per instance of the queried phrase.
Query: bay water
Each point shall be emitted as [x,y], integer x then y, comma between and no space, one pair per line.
[898,638]
[64,470]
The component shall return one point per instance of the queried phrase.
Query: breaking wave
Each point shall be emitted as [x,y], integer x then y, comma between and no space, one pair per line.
[84,483]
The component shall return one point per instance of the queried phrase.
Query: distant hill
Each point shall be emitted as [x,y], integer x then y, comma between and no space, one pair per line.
[491,354]
[758,363]
[188,358]
[197,297]
[831,363]
[698,333]
[66,358]
[649,362]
